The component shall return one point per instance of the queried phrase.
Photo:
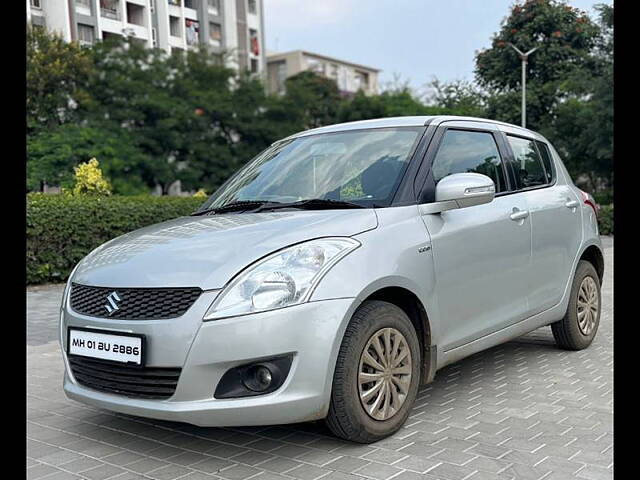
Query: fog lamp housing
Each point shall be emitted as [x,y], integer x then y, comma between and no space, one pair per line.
[256,378]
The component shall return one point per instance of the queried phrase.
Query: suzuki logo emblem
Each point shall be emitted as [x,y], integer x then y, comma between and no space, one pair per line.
[113,300]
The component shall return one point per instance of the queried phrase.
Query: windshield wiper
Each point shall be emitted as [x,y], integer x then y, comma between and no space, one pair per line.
[311,204]
[233,206]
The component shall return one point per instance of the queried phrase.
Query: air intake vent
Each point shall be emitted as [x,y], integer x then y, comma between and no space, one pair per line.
[127,380]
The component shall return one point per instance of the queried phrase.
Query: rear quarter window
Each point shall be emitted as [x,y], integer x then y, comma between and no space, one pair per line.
[527,163]
[546,160]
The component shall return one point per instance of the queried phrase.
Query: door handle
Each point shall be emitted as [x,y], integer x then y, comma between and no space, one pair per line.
[571,204]
[519,214]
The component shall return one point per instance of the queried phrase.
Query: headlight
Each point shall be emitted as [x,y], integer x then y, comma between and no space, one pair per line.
[284,278]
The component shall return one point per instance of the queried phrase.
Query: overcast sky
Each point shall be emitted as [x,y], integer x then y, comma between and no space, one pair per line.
[417,39]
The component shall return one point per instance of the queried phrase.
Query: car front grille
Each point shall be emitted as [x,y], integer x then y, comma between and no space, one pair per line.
[128,380]
[132,303]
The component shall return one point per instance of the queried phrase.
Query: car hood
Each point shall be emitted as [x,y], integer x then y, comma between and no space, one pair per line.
[207,251]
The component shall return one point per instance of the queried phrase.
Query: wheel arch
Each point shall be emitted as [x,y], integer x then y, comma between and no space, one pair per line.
[593,255]
[411,304]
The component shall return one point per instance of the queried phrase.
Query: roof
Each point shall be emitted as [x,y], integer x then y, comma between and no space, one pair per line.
[409,121]
[277,55]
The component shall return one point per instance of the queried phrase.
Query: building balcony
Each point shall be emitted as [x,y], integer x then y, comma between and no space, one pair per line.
[110,9]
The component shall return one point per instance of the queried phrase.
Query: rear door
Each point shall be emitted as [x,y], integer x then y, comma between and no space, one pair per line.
[555,219]
[482,254]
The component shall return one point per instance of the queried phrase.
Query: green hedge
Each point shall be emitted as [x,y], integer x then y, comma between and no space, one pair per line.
[62,229]
[605,219]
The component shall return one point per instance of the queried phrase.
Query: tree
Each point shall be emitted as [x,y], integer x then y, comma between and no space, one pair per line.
[583,123]
[312,98]
[133,89]
[460,97]
[565,36]
[53,154]
[569,82]
[390,103]
[57,72]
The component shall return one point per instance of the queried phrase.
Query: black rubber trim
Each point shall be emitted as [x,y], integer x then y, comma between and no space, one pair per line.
[126,380]
[231,384]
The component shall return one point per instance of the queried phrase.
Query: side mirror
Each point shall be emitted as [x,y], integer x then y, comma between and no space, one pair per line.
[460,190]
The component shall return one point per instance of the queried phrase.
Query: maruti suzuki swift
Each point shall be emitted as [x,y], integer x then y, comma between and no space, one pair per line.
[333,275]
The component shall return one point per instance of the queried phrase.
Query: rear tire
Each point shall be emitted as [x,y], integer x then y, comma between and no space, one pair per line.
[359,410]
[578,328]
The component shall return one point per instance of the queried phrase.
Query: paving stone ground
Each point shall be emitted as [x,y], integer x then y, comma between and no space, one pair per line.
[523,410]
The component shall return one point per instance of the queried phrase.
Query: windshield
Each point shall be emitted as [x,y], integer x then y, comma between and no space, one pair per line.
[361,166]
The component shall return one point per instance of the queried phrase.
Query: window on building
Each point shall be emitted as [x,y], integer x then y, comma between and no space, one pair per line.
[154,37]
[86,34]
[86,4]
[527,163]
[361,80]
[252,7]
[215,34]
[110,9]
[214,7]
[36,3]
[174,2]
[315,66]
[174,26]
[281,75]
[192,30]
[191,4]
[108,36]
[135,14]
[254,65]
[254,42]
[465,151]
[333,70]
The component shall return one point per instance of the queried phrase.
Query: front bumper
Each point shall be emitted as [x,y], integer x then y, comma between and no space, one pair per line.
[312,332]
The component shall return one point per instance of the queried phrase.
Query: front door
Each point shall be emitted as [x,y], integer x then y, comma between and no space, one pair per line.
[482,254]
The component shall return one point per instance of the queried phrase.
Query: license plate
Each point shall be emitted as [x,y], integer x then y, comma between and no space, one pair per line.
[115,347]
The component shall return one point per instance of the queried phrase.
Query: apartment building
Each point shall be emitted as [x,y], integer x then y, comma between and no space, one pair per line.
[233,26]
[349,76]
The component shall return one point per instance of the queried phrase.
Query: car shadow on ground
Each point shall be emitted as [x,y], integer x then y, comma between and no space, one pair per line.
[491,365]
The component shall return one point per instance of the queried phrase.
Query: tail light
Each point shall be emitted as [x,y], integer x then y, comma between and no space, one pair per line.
[588,199]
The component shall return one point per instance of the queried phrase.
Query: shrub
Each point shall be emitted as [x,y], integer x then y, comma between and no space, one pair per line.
[201,194]
[605,219]
[62,229]
[604,198]
[89,179]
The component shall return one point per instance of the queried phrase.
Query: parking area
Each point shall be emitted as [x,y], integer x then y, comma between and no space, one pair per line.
[523,410]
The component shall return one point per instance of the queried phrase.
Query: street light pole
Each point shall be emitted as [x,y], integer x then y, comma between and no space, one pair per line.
[524,57]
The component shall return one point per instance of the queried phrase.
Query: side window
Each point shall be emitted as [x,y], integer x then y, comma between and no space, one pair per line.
[546,160]
[464,151]
[527,163]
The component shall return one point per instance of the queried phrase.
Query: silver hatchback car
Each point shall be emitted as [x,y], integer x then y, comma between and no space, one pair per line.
[333,275]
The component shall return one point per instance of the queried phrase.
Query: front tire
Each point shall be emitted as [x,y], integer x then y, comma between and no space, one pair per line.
[578,328]
[377,374]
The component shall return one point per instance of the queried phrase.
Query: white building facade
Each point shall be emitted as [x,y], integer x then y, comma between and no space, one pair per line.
[232,26]
[349,77]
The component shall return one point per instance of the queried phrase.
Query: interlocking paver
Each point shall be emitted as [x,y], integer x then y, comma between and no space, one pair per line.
[523,410]
[38,471]
[378,471]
